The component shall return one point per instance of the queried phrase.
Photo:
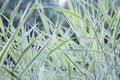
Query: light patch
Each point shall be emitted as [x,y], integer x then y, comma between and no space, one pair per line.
[61,2]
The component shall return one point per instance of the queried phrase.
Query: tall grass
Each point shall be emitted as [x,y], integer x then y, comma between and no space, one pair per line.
[87,49]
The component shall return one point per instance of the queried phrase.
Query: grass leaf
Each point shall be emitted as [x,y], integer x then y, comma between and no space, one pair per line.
[4,6]
[31,62]
[26,49]
[14,13]
[10,72]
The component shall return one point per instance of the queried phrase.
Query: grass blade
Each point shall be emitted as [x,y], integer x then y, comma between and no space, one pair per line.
[94,68]
[31,62]
[90,50]
[10,72]
[4,6]
[74,64]
[26,49]
[69,69]
[14,13]
[59,46]
[114,18]
[115,32]
[65,11]
[5,48]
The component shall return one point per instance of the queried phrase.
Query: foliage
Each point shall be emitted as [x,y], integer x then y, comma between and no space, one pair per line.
[88,48]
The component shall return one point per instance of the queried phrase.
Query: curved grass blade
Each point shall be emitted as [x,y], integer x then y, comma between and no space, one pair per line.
[65,11]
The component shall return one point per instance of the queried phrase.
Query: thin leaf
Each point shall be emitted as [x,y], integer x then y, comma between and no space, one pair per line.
[4,6]
[114,18]
[65,11]
[14,12]
[1,25]
[106,4]
[70,5]
[116,31]
[10,72]
[31,62]
[26,49]
[90,50]
[74,64]
[69,68]
[5,48]
[71,23]
[94,68]
[59,46]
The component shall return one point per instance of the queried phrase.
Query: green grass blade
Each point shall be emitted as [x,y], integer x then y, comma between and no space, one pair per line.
[114,18]
[10,72]
[26,49]
[1,25]
[58,46]
[14,13]
[71,23]
[90,50]
[74,64]
[4,6]
[115,32]
[65,11]
[69,69]
[31,62]
[43,17]
[23,19]
[94,68]
[70,6]
[106,4]
[27,13]
[5,48]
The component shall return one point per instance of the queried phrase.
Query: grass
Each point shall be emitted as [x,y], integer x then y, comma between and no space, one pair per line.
[58,52]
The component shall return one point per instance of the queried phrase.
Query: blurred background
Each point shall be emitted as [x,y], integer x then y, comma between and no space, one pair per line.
[50,13]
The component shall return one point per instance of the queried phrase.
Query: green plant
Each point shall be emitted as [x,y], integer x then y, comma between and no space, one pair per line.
[58,52]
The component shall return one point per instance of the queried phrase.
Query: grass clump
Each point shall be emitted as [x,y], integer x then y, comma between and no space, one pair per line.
[86,49]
